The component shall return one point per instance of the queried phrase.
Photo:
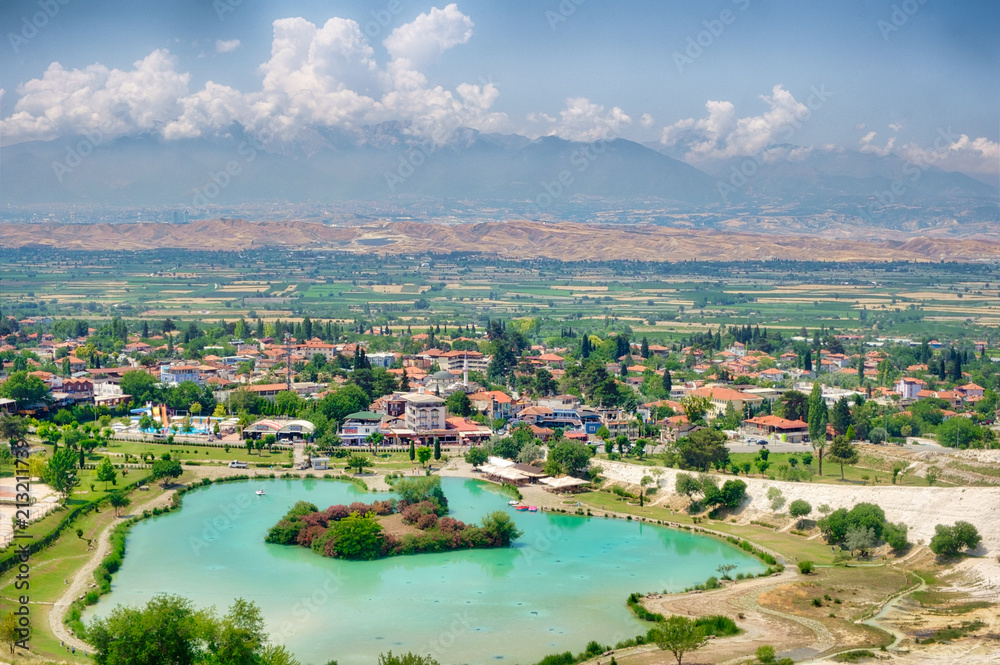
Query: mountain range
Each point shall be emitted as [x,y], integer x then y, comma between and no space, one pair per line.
[531,178]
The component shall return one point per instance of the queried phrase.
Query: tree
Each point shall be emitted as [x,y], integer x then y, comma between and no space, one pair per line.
[106,472]
[687,485]
[703,449]
[165,470]
[840,418]
[530,452]
[476,457]
[437,448]
[817,422]
[500,528]
[459,404]
[860,538]
[357,537]
[967,534]
[572,457]
[405,659]
[167,630]
[24,388]
[142,386]
[14,430]
[679,635]
[695,408]
[413,451]
[950,540]
[895,535]
[11,632]
[639,449]
[878,435]
[60,471]
[358,462]
[424,454]
[799,508]
[667,382]
[842,452]
[793,405]
[119,500]
[959,432]
[730,495]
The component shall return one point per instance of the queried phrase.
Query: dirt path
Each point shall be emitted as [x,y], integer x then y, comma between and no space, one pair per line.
[84,577]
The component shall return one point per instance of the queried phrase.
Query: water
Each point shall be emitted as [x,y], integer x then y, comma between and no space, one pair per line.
[563,584]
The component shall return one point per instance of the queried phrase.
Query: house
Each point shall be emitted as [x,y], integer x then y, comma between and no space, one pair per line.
[773,374]
[722,397]
[552,360]
[971,390]
[424,412]
[494,403]
[908,387]
[283,430]
[790,431]
[383,359]
[173,375]
[469,432]
[357,427]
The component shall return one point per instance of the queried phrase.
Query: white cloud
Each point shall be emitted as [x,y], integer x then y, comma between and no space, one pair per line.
[429,35]
[582,120]
[895,126]
[867,145]
[980,155]
[646,120]
[316,75]
[720,134]
[226,45]
[95,98]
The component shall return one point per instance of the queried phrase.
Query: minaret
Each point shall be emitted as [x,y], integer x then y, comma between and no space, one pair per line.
[465,370]
[288,362]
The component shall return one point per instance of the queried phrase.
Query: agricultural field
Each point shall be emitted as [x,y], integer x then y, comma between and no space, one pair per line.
[658,300]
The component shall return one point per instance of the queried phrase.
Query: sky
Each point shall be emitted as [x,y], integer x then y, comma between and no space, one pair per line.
[712,79]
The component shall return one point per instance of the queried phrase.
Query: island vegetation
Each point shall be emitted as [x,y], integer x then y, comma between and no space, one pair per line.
[362,531]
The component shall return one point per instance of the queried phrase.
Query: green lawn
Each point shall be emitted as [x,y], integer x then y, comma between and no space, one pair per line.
[831,471]
[51,567]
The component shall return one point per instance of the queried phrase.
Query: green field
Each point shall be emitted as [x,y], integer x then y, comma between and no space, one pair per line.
[659,300]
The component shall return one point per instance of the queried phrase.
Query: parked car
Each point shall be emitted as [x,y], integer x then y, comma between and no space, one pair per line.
[761,442]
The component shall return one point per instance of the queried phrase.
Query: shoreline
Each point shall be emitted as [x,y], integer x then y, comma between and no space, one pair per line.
[455,467]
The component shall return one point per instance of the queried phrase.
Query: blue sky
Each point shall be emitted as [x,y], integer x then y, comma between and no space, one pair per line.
[909,71]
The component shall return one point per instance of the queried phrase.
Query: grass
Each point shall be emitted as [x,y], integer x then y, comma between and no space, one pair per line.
[831,472]
[59,562]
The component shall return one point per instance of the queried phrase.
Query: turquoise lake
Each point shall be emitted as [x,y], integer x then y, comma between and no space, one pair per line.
[563,583]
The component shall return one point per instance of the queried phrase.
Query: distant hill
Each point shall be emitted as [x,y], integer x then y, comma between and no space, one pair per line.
[516,239]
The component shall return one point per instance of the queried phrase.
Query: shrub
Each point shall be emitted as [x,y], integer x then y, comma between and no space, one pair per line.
[817,602]
[799,508]
[805,567]
[950,540]
[428,521]
[895,536]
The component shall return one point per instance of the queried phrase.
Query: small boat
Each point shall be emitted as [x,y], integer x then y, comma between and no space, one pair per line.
[532,509]
[519,507]
[260,492]
[513,502]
